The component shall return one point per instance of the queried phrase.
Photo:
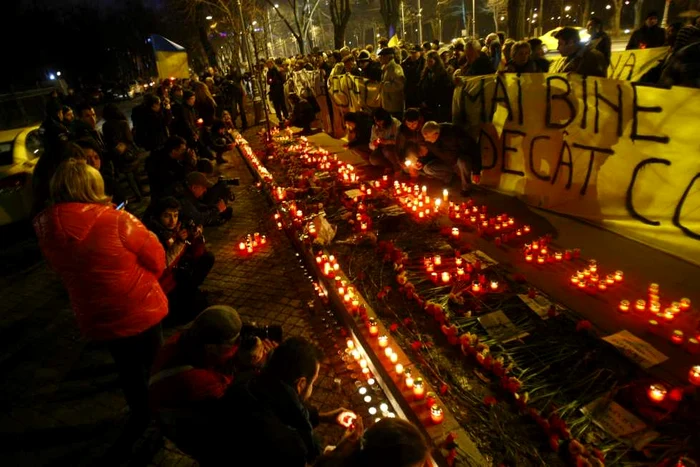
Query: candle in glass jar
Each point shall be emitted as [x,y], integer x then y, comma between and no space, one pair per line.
[574,279]
[383,341]
[437,260]
[494,285]
[363,226]
[388,351]
[399,368]
[445,194]
[424,189]
[618,276]
[455,232]
[677,337]
[685,304]
[675,307]
[241,246]
[409,379]
[692,345]
[373,328]
[351,344]
[526,228]
[541,259]
[436,414]
[654,307]
[640,305]
[418,389]
[653,325]
[654,289]
[694,375]
[445,277]
[609,279]
[528,257]
[394,357]
[657,393]
[476,287]
[558,256]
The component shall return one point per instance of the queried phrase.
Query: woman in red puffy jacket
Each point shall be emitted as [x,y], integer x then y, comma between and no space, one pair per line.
[110,264]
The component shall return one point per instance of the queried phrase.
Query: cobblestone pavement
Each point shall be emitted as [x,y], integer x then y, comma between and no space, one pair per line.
[61,403]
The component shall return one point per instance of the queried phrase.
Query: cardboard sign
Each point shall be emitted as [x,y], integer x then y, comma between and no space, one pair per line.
[498,326]
[636,349]
[619,423]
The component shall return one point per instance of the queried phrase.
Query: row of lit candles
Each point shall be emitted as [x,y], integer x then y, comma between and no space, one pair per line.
[252,242]
[417,386]
[658,392]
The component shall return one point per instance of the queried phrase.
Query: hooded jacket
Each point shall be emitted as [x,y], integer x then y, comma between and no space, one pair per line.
[110,264]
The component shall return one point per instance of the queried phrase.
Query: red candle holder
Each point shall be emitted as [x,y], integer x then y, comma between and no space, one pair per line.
[436,414]
[677,337]
[657,393]
[373,328]
[694,375]
[418,389]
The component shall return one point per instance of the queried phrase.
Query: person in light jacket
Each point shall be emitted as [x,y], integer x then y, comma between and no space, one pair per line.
[392,85]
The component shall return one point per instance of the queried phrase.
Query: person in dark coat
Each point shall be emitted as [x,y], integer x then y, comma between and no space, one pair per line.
[93,159]
[120,147]
[436,89]
[53,130]
[275,80]
[650,35]
[412,70]
[267,421]
[410,141]
[167,168]
[579,59]
[194,209]
[150,123]
[478,63]
[600,40]
[185,120]
[521,61]
[455,152]
[303,114]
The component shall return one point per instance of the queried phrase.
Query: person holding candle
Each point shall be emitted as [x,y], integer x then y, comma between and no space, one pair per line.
[410,143]
[383,141]
[267,420]
[391,442]
[455,152]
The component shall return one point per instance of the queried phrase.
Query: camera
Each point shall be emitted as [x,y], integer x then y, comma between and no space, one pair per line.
[231,181]
[249,333]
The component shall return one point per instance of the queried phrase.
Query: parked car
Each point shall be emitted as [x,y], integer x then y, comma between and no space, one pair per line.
[550,43]
[117,92]
[20,150]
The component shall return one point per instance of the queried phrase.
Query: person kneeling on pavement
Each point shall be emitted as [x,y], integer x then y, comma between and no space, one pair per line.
[188,262]
[195,367]
[303,114]
[455,152]
[193,207]
[266,421]
[383,141]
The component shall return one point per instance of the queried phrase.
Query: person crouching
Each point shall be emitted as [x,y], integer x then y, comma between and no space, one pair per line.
[188,262]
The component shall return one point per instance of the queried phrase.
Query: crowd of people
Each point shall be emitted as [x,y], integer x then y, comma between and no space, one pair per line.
[220,385]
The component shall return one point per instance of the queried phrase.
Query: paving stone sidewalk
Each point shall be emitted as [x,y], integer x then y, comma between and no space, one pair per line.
[61,403]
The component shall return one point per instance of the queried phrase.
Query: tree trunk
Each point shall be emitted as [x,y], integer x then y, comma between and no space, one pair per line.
[516,19]
[617,7]
[638,7]
[587,12]
[339,35]
[300,44]
[495,19]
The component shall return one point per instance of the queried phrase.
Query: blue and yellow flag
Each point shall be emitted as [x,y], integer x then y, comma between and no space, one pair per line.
[171,58]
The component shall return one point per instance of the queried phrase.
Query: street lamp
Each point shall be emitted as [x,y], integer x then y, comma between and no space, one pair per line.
[567,8]
[607,7]
[210,17]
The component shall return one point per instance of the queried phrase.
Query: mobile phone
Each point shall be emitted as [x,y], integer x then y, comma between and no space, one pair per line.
[121,206]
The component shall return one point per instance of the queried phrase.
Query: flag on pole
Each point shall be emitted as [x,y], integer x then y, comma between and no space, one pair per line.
[171,58]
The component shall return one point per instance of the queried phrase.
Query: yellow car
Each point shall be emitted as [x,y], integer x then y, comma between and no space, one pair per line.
[551,43]
[20,150]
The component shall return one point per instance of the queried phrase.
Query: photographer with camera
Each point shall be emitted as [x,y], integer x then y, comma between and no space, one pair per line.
[194,204]
[194,369]
[187,259]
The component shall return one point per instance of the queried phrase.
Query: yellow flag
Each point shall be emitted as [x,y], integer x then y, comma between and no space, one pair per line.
[394,41]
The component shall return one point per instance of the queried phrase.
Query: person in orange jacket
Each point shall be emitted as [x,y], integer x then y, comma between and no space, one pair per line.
[110,264]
